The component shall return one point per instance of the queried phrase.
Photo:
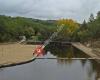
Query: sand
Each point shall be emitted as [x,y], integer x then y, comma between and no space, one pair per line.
[14,53]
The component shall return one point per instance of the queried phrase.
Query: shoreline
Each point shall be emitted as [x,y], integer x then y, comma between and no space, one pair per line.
[18,54]
[16,63]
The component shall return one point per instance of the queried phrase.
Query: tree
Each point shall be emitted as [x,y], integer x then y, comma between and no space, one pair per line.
[70,27]
[98,15]
[91,19]
[83,26]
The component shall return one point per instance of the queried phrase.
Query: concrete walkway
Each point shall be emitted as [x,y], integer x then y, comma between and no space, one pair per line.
[86,50]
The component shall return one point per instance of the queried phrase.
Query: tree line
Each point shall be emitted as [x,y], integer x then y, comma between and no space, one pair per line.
[11,28]
[90,30]
[85,32]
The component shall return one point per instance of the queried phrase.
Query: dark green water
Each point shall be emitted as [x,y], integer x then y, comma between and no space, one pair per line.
[55,69]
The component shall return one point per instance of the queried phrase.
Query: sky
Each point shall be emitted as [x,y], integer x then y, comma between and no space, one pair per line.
[50,9]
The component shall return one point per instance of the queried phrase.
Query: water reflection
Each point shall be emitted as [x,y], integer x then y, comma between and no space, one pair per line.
[65,51]
[92,67]
[96,68]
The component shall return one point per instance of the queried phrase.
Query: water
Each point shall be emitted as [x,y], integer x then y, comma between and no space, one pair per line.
[55,69]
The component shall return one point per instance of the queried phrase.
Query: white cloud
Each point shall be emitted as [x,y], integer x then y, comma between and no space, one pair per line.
[50,9]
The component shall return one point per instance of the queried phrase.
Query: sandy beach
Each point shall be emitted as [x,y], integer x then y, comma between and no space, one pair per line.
[14,53]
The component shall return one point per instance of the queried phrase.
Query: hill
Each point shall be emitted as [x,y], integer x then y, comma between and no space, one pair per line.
[13,27]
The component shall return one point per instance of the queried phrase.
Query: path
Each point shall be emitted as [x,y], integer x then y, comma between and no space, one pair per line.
[86,50]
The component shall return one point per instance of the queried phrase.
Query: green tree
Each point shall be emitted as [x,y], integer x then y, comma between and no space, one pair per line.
[98,15]
[91,19]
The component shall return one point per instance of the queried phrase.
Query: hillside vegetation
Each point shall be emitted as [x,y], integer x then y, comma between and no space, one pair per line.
[11,28]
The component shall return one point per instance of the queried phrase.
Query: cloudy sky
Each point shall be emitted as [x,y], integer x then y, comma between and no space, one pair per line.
[50,9]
